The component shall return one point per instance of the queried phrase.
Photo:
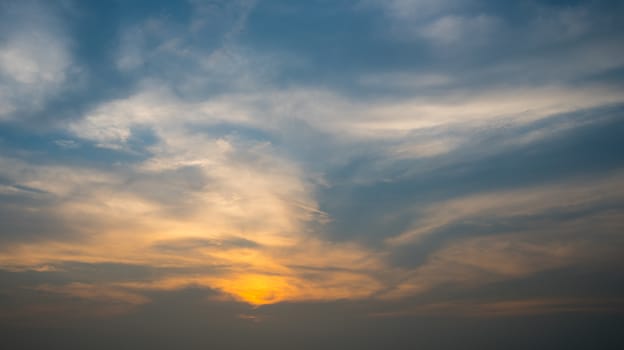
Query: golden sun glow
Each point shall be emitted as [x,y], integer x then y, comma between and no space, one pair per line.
[258,289]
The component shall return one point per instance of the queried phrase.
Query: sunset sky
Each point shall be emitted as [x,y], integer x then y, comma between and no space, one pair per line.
[318,174]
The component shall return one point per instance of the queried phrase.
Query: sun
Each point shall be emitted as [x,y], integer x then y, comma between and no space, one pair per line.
[257,289]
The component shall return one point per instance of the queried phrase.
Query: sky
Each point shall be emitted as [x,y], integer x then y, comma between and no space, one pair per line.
[274,174]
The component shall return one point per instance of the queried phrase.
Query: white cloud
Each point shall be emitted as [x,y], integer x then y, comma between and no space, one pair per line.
[432,117]
[454,30]
[35,61]
[403,80]
[415,10]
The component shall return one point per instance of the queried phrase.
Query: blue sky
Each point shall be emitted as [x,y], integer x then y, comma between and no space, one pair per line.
[414,167]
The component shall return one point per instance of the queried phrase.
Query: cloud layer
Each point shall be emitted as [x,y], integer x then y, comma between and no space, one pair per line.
[392,159]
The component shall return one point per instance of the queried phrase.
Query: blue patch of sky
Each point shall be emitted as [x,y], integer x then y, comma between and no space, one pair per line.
[61,148]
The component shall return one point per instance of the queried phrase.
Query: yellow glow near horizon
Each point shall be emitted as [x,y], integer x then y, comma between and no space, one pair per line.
[257,289]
